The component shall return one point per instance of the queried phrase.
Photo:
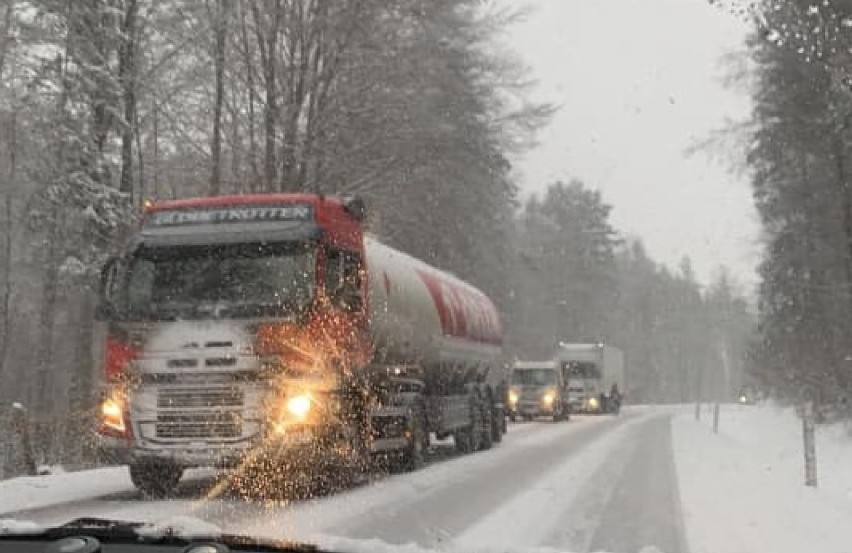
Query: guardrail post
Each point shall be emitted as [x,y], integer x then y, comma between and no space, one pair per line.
[809,445]
[716,418]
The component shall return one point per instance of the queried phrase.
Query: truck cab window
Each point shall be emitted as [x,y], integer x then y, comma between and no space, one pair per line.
[343,278]
[139,286]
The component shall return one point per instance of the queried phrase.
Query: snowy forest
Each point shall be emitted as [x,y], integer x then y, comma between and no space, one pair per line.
[798,155]
[106,104]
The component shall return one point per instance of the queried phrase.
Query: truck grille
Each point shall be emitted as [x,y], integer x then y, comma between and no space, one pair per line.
[192,398]
[531,395]
[201,425]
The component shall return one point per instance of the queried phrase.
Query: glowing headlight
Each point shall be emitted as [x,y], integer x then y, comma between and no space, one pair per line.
[299,406]
[593,402]
[548,398]
[112,414]
[513,396]
[743,399]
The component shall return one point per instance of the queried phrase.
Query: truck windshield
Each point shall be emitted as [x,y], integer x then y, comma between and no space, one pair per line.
[581,369]
[242,280]
[534,377]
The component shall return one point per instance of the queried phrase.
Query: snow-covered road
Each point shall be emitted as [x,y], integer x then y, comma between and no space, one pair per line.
[595,483]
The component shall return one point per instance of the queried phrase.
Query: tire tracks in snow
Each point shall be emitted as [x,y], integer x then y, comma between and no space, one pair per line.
[477,489]
[618,494]
[563,507]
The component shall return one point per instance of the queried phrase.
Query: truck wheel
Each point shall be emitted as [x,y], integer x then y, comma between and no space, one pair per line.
[497,423]
[464,440]
[155,479]
[487,429]
[414,455]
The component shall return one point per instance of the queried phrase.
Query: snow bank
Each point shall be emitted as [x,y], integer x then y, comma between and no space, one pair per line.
[34,492]
[743,489]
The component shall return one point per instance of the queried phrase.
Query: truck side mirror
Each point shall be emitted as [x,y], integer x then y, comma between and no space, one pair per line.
[106,305]
[353,300]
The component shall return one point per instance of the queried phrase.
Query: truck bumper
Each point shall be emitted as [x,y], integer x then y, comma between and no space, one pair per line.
[123,452]
[295,451]
[523,409]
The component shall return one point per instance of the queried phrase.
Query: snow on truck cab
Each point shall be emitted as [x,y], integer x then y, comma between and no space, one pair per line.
[240,328]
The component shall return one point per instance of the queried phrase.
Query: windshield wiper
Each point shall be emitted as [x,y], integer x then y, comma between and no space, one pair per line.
[117,531]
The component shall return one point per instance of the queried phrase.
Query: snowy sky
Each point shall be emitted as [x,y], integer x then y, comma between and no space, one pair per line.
[639,82]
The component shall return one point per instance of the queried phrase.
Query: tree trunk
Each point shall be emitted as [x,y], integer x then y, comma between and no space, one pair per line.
[268,43]
[219,64]
[252,98]
[44,392]
[156,139]
[82,398]
[8,244]
[127,78]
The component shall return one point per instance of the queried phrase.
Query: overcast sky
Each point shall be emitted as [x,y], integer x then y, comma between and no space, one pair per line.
[639,81]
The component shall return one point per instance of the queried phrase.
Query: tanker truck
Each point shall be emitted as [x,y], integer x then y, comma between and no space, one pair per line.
[270,331]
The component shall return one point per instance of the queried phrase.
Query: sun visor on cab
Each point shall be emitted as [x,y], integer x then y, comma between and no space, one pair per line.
[236,233]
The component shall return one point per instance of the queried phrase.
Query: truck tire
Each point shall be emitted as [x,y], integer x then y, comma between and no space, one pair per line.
[414,456]
[498,421]
[487,426]
[155,479]
[464,440]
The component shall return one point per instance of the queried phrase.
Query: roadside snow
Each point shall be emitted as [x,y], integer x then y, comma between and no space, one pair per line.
[34,492]
[743,489]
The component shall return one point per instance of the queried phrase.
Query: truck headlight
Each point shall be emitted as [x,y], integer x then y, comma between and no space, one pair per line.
[112,414]
[299,406]
[513,397]
[593,402]
[548,398]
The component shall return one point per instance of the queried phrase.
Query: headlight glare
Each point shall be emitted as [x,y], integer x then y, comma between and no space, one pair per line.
[299,406]
[112,414]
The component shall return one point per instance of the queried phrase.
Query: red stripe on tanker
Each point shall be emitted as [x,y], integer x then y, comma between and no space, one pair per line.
[418,312]
[464,313]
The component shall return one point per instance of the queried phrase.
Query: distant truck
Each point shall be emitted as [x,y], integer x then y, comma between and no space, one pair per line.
[595,376]
[537,388]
